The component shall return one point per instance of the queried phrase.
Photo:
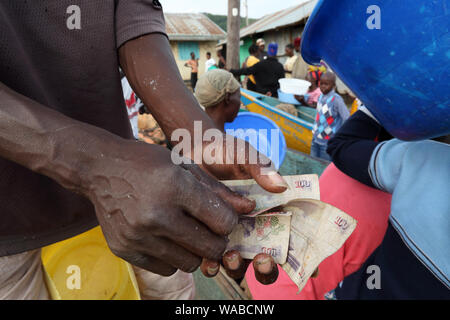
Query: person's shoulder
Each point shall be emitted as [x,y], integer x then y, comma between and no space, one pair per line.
[253,59]
[338,98]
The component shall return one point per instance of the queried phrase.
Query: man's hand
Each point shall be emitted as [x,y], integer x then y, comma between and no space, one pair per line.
[174,107]
[159,216]
[300,99]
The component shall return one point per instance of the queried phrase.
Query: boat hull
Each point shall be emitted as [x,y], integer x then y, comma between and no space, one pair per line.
[297,132]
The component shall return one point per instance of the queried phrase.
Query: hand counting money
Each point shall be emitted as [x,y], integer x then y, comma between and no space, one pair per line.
[294,227]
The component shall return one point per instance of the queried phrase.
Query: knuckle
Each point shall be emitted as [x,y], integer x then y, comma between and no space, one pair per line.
[215,252]
[228,222]
[191,266]
[117,250]
[156,223]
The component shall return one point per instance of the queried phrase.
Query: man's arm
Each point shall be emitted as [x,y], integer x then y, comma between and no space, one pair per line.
[146,223]
[301,99]
[246,71]
[153,74]
[342,109]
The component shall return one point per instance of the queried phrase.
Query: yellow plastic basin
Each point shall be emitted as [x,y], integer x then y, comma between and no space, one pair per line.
[83,268]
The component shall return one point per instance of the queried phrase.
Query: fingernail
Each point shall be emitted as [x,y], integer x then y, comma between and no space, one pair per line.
[212,271]
[232,261]
[209,268]
[264,265]
[277,180]
[266,271]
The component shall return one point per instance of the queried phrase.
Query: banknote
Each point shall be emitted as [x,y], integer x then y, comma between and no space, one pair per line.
[317,231]
[294,227]
[300,187]
[267,228]
[266,233]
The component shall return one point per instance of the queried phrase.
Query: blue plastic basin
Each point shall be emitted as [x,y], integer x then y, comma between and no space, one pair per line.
[262,133]
[401,71]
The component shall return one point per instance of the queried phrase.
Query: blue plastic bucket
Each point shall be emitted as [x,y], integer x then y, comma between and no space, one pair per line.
[262,133]
[287,97]
[400,71]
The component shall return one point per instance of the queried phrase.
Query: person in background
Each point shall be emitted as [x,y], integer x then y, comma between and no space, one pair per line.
[210,63]
[300,67]
[267,72]
[290,62]
[219,93]
[133,103]
[370,207]
[221,55]
[251,61]
[412,261]
[356,105]
[262,54]
[331,114]
[312,97]
[193,64]
[321,68]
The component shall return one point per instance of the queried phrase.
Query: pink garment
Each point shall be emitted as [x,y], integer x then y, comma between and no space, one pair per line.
[314,96]
[370,207]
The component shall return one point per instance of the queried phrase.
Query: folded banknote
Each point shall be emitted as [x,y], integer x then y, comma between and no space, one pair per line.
[294,227]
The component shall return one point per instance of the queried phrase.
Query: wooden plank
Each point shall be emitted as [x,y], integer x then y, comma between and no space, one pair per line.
[229,287]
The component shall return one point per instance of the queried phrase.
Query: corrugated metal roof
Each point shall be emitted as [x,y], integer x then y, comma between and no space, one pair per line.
[281,18]
[192,27]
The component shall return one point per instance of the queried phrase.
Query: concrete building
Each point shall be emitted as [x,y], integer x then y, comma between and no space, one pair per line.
[281,27]
[192,32]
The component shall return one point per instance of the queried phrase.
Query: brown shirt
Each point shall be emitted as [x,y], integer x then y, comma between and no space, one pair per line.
[63,54]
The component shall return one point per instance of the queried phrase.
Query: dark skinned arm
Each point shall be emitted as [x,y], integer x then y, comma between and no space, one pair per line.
[174,106]
[146,223]
[153,74]
[246,71]
[161,226]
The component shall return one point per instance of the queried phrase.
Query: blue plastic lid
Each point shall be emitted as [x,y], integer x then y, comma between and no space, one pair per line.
[262,133]
[396,59]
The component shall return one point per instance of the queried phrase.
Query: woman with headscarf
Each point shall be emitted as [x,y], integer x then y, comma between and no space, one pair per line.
[218,92]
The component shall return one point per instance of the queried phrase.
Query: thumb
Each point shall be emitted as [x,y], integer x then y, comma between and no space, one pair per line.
[239,203]
[267,177]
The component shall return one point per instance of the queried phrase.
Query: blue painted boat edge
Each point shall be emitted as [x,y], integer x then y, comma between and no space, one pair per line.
[283,114]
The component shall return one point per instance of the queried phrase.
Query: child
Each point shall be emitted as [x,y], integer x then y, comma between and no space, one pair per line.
[311,98]
[412,261]
[331,114]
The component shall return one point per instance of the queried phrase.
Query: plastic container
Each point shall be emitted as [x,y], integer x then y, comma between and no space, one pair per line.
[287,97]
[294,86]
[400,72]
[102,275]
[262,133]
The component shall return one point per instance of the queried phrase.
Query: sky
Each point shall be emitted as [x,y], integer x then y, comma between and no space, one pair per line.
[256,8]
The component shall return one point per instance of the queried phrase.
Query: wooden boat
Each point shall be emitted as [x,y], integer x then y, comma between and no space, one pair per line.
[296,130]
